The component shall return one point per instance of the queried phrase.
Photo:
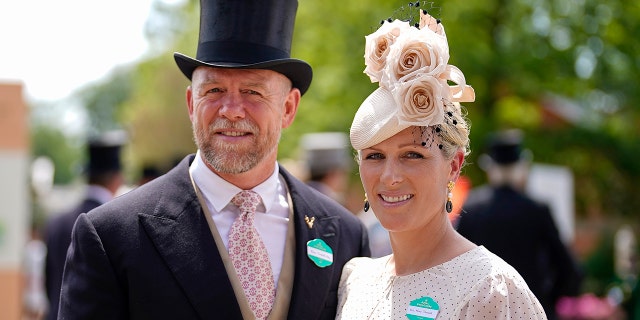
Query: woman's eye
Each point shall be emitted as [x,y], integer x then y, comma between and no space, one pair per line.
[414,155]
[374,156]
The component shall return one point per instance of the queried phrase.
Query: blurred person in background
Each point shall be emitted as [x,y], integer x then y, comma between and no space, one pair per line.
[149,172]
[104,178]
[228,233]
[328,161]
[35,302]
[522,231]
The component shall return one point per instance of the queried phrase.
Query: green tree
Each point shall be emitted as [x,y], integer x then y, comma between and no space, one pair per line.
[65,153]
[563,71]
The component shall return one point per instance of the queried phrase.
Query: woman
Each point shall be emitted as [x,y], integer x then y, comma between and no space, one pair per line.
[412,139]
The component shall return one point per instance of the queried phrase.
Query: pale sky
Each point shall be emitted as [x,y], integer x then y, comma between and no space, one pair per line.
[56,47]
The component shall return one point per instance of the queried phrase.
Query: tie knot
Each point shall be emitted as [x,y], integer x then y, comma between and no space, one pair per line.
[247,201]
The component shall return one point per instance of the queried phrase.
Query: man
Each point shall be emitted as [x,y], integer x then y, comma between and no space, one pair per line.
[509,223]
[327,158]
[168,249]
[104,173]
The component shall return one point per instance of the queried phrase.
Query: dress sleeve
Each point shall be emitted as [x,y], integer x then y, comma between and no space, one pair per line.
[501,296]
[343,287]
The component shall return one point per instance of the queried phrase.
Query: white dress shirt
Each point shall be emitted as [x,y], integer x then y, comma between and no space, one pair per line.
[272,215]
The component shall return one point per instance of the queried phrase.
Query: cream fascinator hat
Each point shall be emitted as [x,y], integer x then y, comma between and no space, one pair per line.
[411,65]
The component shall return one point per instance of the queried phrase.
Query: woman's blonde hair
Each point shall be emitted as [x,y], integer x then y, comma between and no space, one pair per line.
[454,131]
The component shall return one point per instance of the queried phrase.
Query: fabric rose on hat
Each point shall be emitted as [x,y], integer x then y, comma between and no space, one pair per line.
[417,52]
[411,66]
[377,47]
[421,101]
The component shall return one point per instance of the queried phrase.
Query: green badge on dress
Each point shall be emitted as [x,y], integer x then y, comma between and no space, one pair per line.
[320,253]
[424,308]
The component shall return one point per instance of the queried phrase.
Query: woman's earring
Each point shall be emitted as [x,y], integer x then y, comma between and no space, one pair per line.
[449,205]
[366,203]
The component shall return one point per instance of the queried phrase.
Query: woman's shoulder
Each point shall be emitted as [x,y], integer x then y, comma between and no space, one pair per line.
[498,267]
[482,263]
[479,269]
[363,267]
[366,263]
[489,280]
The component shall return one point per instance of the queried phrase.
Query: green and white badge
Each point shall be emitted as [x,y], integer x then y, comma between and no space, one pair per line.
[424,308]
[320,253]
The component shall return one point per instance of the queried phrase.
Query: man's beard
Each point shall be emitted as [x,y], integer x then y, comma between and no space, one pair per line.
[233,158]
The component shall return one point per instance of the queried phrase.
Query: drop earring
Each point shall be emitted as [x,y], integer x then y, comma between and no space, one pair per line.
[449,205]
[366,203]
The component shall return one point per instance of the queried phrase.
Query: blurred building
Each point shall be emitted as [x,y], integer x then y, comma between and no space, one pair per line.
[14,196]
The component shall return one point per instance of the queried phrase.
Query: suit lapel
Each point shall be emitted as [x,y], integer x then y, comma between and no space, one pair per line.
[180,232]
[310,280]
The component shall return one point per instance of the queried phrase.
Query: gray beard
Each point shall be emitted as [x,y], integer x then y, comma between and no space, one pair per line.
[232,159]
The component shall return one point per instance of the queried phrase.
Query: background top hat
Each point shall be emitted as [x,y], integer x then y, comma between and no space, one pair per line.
[104,152]
[326,151]
[505,147]
[248,34]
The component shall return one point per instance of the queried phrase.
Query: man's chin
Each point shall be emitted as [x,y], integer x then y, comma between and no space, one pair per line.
[228,162]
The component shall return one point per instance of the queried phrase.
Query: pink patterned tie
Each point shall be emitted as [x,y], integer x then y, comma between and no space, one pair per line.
[249,256]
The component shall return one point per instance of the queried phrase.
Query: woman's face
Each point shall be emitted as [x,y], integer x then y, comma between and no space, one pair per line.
[406,182]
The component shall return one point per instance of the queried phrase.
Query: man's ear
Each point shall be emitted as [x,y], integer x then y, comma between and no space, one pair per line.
[290,107]
[189,97]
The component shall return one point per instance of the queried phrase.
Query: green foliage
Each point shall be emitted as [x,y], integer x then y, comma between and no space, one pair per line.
[156,116]
[329,35]
[66,155]
[566,72]
[103,99]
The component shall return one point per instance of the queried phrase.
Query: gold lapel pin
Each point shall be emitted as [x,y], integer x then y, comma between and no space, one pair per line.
[309,221]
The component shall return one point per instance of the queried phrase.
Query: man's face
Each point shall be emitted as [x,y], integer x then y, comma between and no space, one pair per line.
[237,116]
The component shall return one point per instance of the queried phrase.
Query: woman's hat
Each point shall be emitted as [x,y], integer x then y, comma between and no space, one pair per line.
[411,65]
[247,34]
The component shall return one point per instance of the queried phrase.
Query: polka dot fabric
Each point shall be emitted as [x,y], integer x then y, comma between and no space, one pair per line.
[475,285]
[249,256]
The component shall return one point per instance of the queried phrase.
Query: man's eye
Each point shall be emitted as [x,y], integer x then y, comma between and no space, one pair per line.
[215,90]
[252,92]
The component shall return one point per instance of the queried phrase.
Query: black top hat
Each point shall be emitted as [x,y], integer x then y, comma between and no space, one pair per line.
[505,147]
[104,152]
[326,151]
[248,34]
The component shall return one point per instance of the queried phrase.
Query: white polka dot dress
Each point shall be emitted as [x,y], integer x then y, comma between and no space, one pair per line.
[474,285]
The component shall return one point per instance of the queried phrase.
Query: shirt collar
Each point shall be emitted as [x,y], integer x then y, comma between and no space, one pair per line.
[219,192]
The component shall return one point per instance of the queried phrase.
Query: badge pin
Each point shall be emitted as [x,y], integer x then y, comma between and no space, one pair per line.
[424,308]
[309,221]
[320,253]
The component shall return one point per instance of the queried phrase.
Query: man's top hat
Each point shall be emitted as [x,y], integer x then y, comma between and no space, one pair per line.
[104,152]
[248,34]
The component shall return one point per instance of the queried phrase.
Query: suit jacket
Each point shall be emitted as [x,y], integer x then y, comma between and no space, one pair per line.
[149,254]
[57,236]
[523,233]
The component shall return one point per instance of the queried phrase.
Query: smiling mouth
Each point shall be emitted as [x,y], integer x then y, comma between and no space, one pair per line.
[233,133]
[396,198]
